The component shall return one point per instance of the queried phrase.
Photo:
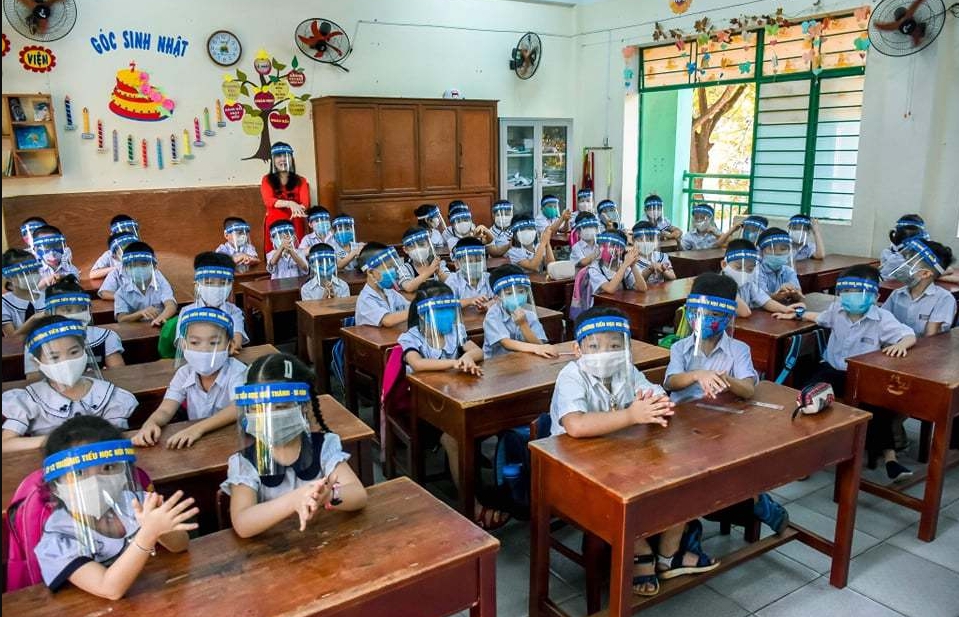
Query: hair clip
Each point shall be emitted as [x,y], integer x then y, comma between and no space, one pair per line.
[287,369]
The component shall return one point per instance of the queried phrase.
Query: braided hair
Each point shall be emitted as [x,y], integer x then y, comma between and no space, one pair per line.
[286,367]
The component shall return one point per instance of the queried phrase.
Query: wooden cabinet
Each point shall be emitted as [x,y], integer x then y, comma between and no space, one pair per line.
[379,158]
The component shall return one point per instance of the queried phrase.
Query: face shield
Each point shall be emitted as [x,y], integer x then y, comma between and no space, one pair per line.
[126,227]
[752,228]
[584,201]
[918,257]
[25,275]
[433,218]
[741,266]
[646,240]
[470,262]
[26,232]
[462,222]
[323,267]
[708,318]
[282,159]
[96,484]
[237,235]
[344,231]
[587,228]
[605,354]
[61,354]
[212,285]
[204,339]
[386,268]
[274,430]
[320,224]
[608,212]
[441,323]
[653,209]
[419,248]
[799,227]
[611,250]
[283,235]
[515,292]
[777,251]
[549,206]
[856,295]
[119,244]
[525,232]
[702,217]
[51,250]
[502,214]
[140,269]
[75,306]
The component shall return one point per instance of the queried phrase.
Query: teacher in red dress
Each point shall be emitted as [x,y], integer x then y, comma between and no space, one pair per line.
[285,194]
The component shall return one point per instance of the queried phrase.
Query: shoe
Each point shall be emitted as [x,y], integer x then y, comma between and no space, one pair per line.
[771,513]
[896,471]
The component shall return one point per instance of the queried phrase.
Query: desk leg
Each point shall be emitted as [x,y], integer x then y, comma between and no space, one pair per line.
[248,306]
[365,462]
[934,476]
[539,538]
[350,377]
[467,473]
[486,602]
[621,568]
[321,364]
[847,487]
[268,320]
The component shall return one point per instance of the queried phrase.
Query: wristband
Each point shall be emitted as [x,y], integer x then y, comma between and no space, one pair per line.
[800,311]
[151,551]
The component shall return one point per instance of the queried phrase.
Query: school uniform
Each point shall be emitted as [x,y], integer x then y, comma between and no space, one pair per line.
[501,237]
[599,275]
[414,340]
[105,260]
[185,388]
[889,259]
[311,239]
[228,249]
[806,251]
[102,342]
[729,356]
[518,253]
[875,330]
[65,268]
[371,307]
[583,249]
[451,239]
[696,241]
[657,257]
[436,237]
[498,325]
[129,299]
[60,552]
[38,408]
[17,310]
[663,225]
[340,252]
[772,281]
[542,223]
[327,454]
[934,304]
[285,268]
[115,280]
[313,290]
[753,295]
[407,271]
[577,391]
[235,313]
[463,290]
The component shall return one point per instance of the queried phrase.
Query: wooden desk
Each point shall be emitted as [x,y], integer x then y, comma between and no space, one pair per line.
[269,297]
[495,262]
[514,390]
[101,311]
[923,385]
[256,272]
[692,263]
[355,279]
[821,274]
[319,321]
[669,246]
[705,460]
[148,382]
[89,285]
[889,286]
[406,553]
[648,309]
[550,293]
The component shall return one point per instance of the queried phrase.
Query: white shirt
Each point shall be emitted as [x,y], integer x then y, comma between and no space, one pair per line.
[185,387]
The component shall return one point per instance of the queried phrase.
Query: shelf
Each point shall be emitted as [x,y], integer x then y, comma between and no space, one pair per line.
[519,188]
[34,123]
[554,184]
[518,155]
[30,150]
[554,154]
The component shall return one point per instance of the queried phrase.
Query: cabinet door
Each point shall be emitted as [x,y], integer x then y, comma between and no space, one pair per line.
[554,154]
[397,151]
[518,166]
[357,149]
[438,149]
[476,148]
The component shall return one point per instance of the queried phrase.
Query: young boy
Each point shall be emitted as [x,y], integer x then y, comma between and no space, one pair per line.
[51,249]
[115,279]
[321,230]
[654,264]
[109,261]
[653,208]
[423,264]
[584,201]
[921,304]
[502,236]
[144,293]
[528,251]
[550,215]
[908,226]
[462,226]
[379,304]
[204,382]
[285,261]
[27,227]
[803,246]
[776,275]
[471,282]
[858,327]
[429,217]
[608,214]
[511,324]
[602,392]
[617,267]
[585,251]
[704,234]
[23,304]
[752,226]
[213,275]
[741,264]
[323,281]
[344,243]
[237,245]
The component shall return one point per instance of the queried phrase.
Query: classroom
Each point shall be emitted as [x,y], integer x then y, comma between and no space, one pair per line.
[439,308]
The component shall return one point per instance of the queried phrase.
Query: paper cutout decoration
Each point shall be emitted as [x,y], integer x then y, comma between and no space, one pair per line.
[86,134]
[6,45]
[174,158]
[135,98]
[679,6]
[220,122]
[68,108]
[116,146]
[159,153]
[37,59]
[207,130]
[197,140]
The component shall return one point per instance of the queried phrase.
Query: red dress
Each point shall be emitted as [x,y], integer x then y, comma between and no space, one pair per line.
[300,194]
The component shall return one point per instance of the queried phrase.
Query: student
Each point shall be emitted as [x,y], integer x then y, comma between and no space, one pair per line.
[213,278]
[608,214]
[601,392]
[704,234]
[584,201]
[741,264]
[462,226]
[423,263]
[23,304]
[344,243]
[585,251]
[67,298]
[530,253]
[908,226]
[858,327]
[471,282]
[379,304]
[751,227]
[511,323]
[290,462]
[550,216]
[803,246]
[144,293]
[237,245]
[203,383]
[653,263]
[502,236]
[921,304]
[58,346]
[51,249]
[776,275]
[116,278]
[436,340]
[653,208]
[104,527]
[617,267]
[323,281]
[109,261]
[321,230]
[27,227]
[429,217]
[284,261]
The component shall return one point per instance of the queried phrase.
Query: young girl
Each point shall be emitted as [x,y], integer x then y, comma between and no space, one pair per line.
[422,264]
[323,281]
[908,226]
[529,252]
[551,215]
[462,226]
[290,463]
[104,527]
[617,268]
[608,214]
[429,217]
[321,230]
[585,250]
[54,255]
[284,261]
[803,246]
[654,264]
[502,219]
[511,324]
[921,304]
[23,304]
[471,282]
[344,243]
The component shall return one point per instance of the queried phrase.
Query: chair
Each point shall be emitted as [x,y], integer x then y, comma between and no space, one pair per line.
[223,520]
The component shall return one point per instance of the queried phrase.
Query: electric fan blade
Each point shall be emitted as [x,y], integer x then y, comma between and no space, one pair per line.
[315,29]
[911,10]
[918,33]
[886,26]
[334,48]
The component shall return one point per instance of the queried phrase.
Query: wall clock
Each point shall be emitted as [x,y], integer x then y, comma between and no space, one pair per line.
[224,48]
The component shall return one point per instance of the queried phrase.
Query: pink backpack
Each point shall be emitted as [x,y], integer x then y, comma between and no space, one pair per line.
[28,511]
[582,294]
[395,396]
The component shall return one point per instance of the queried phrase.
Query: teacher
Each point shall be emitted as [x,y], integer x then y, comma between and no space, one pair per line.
[285,194]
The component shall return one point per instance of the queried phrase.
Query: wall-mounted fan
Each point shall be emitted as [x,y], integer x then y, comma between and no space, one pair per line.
[323,40]
[41,20]
[526,55]
[904,27]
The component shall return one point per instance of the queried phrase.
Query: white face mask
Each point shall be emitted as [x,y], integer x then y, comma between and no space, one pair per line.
[798,236]
[93,496]
[419,254]
[503,220]
[740,276]
[284,426]
[463,227]
[83,317]
[205,362]
[701,225]
[67,372]
[588,234]
[646,248]
[241,240]
[213,295]
[526,237]
[602,365]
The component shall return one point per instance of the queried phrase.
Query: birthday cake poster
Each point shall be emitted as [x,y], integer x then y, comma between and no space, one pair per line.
[136,97]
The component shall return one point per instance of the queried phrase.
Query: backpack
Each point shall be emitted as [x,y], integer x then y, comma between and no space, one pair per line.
[338,356]
[511,471]
[395,396]
[166,343]
[30,507]
[582,294]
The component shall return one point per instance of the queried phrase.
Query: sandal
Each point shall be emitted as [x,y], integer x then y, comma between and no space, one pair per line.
[642,580]
[674,566]
[488,521]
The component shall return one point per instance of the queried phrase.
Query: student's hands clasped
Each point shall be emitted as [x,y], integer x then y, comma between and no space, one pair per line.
[650,408]
[712,382]
[312,497]
[468,365]
[158,516]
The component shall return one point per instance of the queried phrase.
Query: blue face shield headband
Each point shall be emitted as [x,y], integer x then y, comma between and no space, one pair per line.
[88,455]
[21,268]
[55,331]
[323,262]
[54,302]
[212,272]
[234,228]
[207,314]
[597,325]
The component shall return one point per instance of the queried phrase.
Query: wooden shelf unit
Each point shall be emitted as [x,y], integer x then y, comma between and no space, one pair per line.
[18,162]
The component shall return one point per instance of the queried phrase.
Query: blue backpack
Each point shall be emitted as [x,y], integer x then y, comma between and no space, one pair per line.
[511,467]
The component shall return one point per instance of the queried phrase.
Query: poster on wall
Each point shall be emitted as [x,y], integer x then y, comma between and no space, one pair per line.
[135,98]
[37,59]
